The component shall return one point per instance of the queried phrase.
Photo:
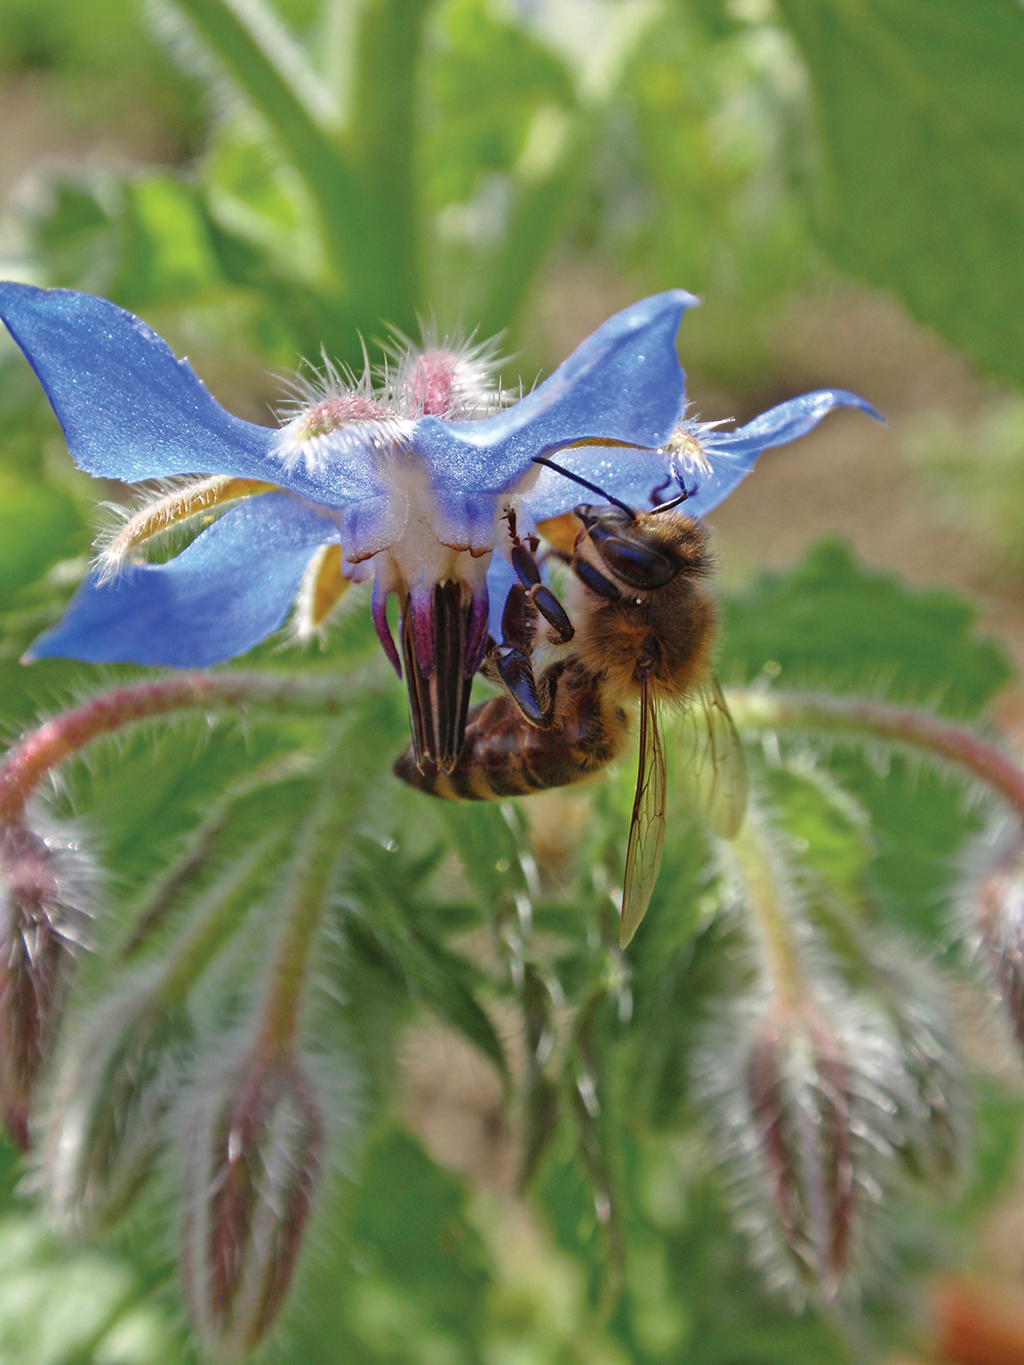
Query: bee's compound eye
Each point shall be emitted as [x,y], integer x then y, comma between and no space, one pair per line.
[634,562]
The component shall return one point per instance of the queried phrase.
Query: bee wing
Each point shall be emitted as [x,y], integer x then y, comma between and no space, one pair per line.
[647,829]
[712,765]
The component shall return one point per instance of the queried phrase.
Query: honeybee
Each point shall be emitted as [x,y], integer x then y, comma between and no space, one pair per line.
[638,626]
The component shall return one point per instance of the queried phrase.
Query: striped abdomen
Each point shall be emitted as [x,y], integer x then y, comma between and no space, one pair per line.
[504,755]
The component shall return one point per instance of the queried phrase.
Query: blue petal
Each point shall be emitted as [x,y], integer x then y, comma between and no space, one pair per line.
[635,477]
[500,578]
[731,454]
[623,383]
[224,594]
[632,476]
[131,411]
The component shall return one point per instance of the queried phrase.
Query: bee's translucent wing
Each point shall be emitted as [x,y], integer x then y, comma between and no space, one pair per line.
[711,766]
[647,828]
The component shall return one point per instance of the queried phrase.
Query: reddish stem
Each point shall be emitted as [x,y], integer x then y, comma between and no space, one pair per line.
[43,749]
[894,724]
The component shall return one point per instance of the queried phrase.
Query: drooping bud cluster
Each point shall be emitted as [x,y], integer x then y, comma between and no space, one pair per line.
[810,1083]
[43,915]
[252,1146]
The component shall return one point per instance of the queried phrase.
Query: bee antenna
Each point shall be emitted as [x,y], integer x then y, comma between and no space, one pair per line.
[673,502]
[585,483]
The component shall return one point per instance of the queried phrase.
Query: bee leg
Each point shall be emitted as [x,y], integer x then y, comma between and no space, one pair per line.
[510,662]
[525,564]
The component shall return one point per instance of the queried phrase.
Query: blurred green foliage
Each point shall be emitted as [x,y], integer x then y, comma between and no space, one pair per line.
[975,467]
[320,173]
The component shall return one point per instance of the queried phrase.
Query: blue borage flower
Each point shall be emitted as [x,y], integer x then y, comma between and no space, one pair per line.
[405,480]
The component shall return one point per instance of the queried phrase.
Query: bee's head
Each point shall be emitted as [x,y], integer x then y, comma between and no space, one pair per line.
[643,550]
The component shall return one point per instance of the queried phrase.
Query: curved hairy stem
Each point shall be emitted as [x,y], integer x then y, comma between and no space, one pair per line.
[767,900]
[45,748]
[900,726]
[322,843]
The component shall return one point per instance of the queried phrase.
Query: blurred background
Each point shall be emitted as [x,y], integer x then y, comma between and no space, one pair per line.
[842,181]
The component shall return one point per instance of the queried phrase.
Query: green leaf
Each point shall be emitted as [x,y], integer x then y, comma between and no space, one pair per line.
[410,1282]
[390,934]
[381,137]
[36,521]
[489,82]
[921,113]
[63,1306]
[828,829]
[832,624]
[167,258]
[240,34]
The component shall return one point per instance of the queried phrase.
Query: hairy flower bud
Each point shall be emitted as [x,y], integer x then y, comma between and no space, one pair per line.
[115,1082]
[997,909]
[931,1106]
[798,1085]
[42,920]
[253,1142]
[803,1099]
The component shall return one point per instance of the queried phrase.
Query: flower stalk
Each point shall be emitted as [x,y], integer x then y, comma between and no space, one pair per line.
[307,899]
[44,749]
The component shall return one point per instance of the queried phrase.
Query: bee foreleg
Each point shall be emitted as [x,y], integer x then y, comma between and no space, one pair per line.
[525,564]
[514,669]
[510,662]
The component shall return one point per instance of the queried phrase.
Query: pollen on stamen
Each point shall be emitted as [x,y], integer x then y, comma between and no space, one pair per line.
[175,509]
[684,446]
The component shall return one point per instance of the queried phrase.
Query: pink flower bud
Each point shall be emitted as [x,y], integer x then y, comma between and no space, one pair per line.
[253,1142]
[800,1101]
[42,919]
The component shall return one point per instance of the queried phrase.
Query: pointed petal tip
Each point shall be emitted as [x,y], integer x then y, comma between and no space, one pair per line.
[843,398]
[670,300]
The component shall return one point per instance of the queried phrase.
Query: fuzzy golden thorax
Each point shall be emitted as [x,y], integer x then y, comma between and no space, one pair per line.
[667,631]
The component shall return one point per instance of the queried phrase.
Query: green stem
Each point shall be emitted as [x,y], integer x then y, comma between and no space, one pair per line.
[538,213]
[225,910]
[901,726]
[44,749]
[382,141]
[766,900]
[232,30]
[323,840]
